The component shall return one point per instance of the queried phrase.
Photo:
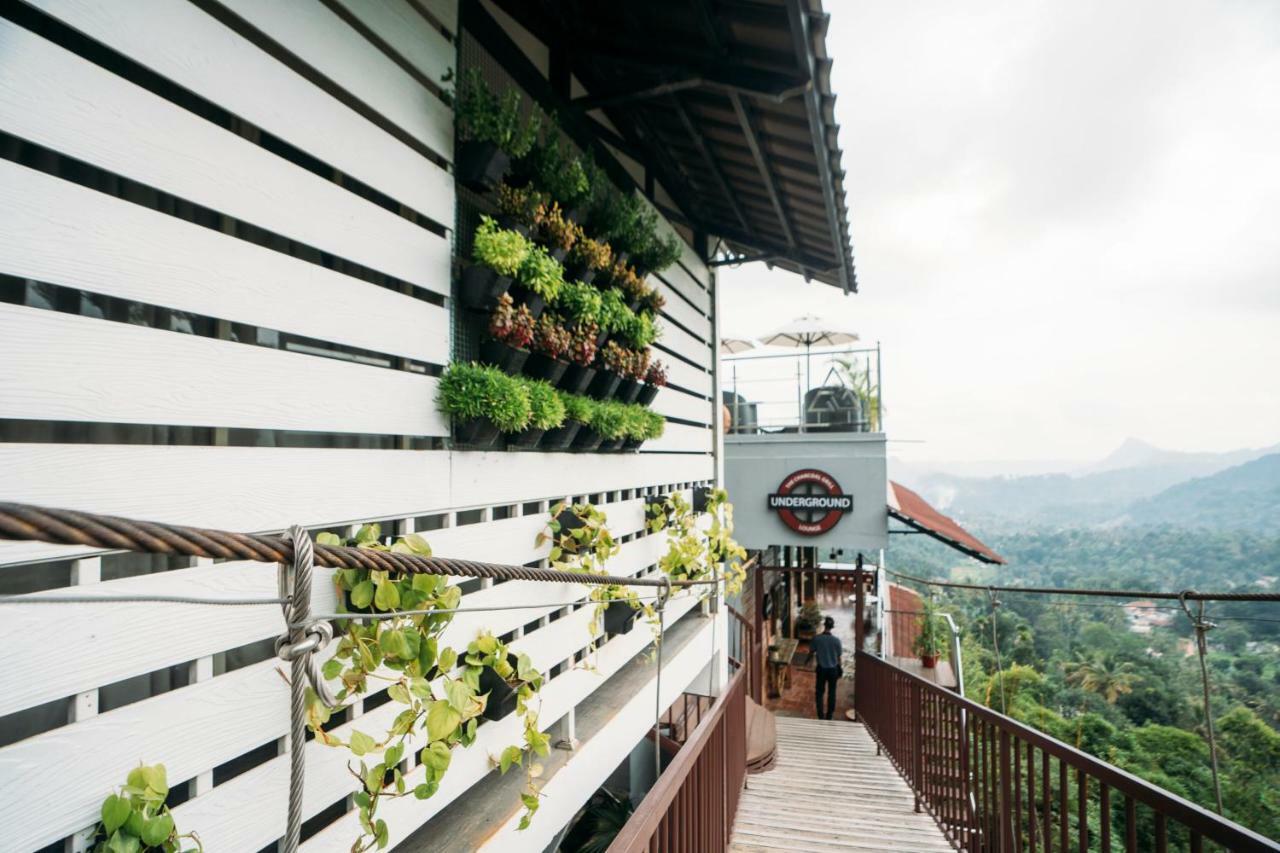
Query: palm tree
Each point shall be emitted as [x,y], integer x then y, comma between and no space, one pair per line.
[1103,675]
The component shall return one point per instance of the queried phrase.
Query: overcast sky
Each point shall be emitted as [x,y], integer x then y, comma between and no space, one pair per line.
[1066,223]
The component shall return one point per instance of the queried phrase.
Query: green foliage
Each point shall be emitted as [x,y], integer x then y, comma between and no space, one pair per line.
[638,330]
[501,249]
[541,273]
[655,254]
[547,407]
[580,302]
[483,116]
[614,311]
[135,818]
[934,637]
[478,391]
[577,407]
[609,418]
[559,171]
[521,204]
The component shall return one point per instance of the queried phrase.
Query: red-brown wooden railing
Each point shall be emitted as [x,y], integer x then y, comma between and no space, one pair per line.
[746,652]
[692,806]
[993,784]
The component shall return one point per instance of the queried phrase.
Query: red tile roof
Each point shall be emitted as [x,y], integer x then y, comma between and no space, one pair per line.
[913,510]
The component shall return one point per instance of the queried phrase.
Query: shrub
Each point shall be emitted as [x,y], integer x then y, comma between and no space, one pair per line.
[476,391]
[582,344]
[580,302]
[609,419]
[480,115]
[614,312]
[553,229]
[548,411]
[511,325]
[500,249]
[656,375]
[577,408]
[542,274]
[591,254]
[520,204]
[551,338]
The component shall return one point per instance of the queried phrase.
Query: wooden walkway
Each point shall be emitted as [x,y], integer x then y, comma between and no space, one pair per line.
[830,792]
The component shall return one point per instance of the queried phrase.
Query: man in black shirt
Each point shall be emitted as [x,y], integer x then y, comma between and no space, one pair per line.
[828,649]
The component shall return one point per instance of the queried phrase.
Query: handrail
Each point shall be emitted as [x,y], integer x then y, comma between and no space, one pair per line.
[965,762]
[694,801]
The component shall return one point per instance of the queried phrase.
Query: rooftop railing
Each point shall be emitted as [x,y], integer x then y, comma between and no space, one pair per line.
[994,784]
[823,389]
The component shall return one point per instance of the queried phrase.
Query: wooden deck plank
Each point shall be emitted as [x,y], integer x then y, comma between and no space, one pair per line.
[829,791]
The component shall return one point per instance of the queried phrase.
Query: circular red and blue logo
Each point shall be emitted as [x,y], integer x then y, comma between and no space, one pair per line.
[810,502]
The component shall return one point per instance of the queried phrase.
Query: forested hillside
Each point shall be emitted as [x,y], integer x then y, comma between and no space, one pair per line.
[1246,497]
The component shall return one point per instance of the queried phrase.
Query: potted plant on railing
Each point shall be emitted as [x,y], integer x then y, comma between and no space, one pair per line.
[484,403]
[577,412]
[654,378]
[547,413]
[931,643]
[551,342]
[498,255]
[587,258]
[539,280]
[518,207]
[511,333]
[808,621]
[491,132]
[582,357]
[554,231]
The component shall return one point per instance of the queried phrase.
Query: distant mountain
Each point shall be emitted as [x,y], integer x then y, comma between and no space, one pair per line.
[1102,493]
[1246,497]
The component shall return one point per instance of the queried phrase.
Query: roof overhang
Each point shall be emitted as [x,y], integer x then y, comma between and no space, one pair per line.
[915,512]
[729,104]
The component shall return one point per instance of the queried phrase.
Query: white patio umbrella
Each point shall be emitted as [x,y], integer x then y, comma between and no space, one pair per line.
[733,346]
[808,332]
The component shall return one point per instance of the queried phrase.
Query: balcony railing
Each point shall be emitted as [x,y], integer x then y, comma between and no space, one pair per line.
[819,390]
[994,784]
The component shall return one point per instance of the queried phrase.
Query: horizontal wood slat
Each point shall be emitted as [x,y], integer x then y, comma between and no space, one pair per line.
[678,278]
[218,64]
[63,367]
[685,375]
[407,33]
[60,232]
[325,42]
[676,339]
[681,438]
[260,488]
[682,312]
[677,404]
[56,99]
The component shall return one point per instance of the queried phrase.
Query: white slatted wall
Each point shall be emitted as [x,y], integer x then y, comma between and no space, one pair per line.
[226,261]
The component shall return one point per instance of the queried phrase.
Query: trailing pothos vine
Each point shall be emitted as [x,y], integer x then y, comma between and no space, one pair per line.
[135,818]
[442,703]
[693,554]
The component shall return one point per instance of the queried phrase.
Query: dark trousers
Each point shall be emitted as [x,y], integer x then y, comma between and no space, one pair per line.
[826,678]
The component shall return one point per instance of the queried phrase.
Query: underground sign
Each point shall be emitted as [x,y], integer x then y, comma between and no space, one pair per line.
[810,502]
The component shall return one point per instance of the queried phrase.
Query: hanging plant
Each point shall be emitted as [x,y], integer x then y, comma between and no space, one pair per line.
[580,303]
[655,254]
[135,818]
[551,338]
[651,301]
[721,546]
[541,274]
[639,331]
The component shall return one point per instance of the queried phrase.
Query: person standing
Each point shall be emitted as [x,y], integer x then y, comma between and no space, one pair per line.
[829,650]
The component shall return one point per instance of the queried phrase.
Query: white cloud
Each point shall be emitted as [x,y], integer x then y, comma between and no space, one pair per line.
[1066,220]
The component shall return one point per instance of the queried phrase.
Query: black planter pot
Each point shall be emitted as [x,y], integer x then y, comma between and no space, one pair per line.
[611,444]
[480,165]
[576,378]
[528,439]
[604,385]
[632,443]
[522,295]
[510,223]
[502,696]
[558,253]
[579,272]
[647,394]
[628,390]
[600,340]
[478,433]
[480,287]
[618,617]
[568,520]
[502,356]
[700,496]
[560,438]
[655,506]
[586,439]
[539,366]
[634,304]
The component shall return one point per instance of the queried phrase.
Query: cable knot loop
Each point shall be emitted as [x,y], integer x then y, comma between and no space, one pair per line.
[304,638]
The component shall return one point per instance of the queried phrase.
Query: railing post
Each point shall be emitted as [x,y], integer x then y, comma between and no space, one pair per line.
[1006,792]
[917,743]
[859,610]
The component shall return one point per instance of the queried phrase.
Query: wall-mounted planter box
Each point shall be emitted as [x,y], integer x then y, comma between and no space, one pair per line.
[502,696]
[481,286]
[505,358]
[647,394]
[480,166]
[604,385]
[619,616]
[632,443]
[540,366]
[522,295]
[476,433]
[576,378]
[560,438]
[611,444]
[528,439]
[586,439]
[627,392]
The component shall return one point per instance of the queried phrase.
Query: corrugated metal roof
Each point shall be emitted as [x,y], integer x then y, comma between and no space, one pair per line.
[911,509]
[729,103]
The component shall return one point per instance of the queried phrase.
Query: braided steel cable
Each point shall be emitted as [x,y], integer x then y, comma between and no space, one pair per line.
[1188,595]
[299,655]
[69,527]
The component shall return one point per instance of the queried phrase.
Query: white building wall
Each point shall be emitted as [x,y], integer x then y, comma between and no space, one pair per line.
[179,181]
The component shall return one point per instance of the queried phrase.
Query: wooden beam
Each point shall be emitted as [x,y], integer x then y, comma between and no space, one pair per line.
[712,166]
[757,153]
